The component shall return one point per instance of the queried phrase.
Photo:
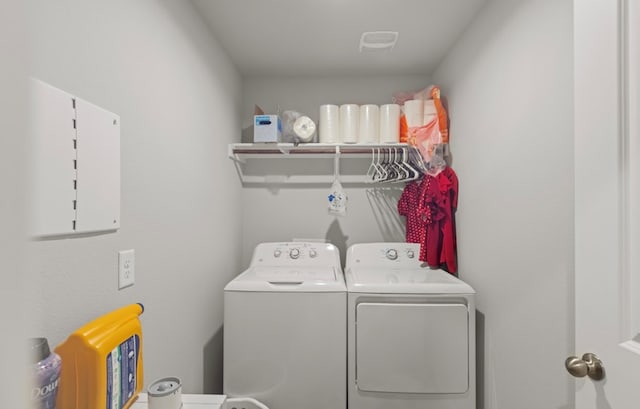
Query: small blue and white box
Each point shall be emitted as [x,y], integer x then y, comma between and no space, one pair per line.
[267,128]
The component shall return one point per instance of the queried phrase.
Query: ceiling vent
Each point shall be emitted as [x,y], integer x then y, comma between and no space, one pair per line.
[378,40]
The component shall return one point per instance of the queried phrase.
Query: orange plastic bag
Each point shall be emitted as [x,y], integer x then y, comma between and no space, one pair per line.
[404,129]
[442,114]
[426,138]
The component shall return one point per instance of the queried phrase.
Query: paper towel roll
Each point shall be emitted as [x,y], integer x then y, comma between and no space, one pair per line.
[165,393]
[369,131]
[414,112]
[349,123]
[429,111]
[329,131]
[390,123]
[304,128]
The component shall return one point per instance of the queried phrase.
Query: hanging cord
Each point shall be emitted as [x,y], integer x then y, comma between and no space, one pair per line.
[336,164]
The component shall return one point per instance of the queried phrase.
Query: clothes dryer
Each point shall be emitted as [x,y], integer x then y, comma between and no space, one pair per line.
[285,329]
[411,332]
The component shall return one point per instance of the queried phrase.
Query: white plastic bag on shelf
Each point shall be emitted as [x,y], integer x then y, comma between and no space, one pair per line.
[428,140]
[297,128]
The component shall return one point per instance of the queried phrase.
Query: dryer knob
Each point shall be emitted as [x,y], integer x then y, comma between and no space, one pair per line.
[391,254]
[277,253]
[294,253]
[410,254]
[313,253]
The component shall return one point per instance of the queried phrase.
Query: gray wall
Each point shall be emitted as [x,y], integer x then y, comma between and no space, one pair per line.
[154,63]
[13,307]
[306,94]
[509,85]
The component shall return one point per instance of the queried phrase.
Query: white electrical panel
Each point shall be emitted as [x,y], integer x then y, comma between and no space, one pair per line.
[98,168]
[75,171]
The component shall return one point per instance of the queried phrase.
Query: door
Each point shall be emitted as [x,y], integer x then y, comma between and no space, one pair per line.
[607,203]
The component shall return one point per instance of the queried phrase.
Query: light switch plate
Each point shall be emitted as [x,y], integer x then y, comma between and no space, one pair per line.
[126,268]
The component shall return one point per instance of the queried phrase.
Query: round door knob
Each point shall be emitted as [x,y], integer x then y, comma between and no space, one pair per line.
[589,366]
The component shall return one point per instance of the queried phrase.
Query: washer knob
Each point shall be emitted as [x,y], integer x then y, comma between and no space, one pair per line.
[312,253]
[294,253]
[391,254]
[277,253]
[410,254]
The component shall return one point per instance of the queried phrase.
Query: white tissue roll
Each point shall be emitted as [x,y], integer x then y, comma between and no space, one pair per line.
[429,111]
[390,123]
[369,124]
[329,131]
[304,128]
[414,112]
[349,123]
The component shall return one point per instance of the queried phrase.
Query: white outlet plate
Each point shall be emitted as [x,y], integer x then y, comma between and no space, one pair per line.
[126,268]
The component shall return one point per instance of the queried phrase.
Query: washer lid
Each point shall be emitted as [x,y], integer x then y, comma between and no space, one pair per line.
[405,281]
[279,279]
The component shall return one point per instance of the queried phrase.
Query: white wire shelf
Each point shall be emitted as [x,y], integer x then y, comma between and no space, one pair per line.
[305,163]
[242,151]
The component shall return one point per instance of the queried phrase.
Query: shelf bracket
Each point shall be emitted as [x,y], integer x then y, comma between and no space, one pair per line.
[285,150]
[234,156]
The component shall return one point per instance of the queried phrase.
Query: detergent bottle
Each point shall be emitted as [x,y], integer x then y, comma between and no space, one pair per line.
[102,362]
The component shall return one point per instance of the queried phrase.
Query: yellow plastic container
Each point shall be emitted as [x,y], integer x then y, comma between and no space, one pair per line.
[102,362]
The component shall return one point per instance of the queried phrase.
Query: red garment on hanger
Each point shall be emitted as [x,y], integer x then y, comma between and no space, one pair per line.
[429,208]
[408,207]
[448,185]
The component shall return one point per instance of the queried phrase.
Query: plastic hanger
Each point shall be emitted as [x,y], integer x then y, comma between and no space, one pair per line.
[370,177]
[403,173]
[382,174]
[413,173]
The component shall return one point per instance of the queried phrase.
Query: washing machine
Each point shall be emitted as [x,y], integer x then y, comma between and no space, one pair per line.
[285,328]
[411,332]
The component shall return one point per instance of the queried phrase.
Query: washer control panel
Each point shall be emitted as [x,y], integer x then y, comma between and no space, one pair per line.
[296,253]
[398,255]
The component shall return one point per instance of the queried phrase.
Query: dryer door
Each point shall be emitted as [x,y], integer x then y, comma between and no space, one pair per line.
[412,348]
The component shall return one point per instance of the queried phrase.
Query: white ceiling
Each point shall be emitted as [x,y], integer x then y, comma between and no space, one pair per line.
[322,37]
